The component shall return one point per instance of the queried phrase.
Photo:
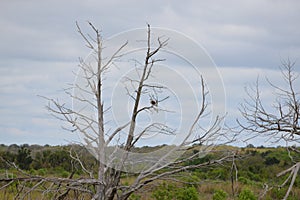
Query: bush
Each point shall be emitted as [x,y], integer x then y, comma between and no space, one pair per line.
[170,191]
[24,158]
[245,181]
[187,193]
[246,194]
[164,192]
[219,173]
[42,172]
[134,197]
[271,161]
[220,195]
[64,174]
[191,179]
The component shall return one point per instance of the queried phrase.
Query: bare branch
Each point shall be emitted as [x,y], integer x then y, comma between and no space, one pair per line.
[281,121]
[98,134]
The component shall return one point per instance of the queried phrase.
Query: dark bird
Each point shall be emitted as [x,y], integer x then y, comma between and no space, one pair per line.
[153,102]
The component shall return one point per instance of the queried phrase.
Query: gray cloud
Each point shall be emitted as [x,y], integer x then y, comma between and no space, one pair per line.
[40,46]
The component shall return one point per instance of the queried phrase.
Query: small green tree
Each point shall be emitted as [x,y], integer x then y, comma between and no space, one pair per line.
[220,195]
[246,194]
[164,192]
[187,193]
[24,158]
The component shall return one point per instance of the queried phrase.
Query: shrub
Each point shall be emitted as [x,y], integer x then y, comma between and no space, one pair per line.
[170,191]
[164,192]
[271,161]
[24,158]
[64,174]
[134,197]
[187,193]
[245,181]
[246,194]
[42,172]
[220,195]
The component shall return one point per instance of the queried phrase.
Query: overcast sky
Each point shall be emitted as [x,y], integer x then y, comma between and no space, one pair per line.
[39,49]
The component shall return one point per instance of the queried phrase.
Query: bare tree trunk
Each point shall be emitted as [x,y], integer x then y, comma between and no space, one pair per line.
[101,143]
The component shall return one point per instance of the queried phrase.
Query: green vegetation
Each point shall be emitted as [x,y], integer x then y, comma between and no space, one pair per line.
[24,158]
[220,195]
[257,167]
[247,194]
[166,191]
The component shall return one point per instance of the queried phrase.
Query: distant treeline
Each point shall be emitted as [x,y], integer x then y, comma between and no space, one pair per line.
[50,158]
[254,164]
[256,167]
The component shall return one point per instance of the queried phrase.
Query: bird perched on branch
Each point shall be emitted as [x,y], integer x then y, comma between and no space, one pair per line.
[153,102]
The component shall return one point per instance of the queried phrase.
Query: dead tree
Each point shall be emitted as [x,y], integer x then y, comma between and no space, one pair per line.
[280,121]
[114,157]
